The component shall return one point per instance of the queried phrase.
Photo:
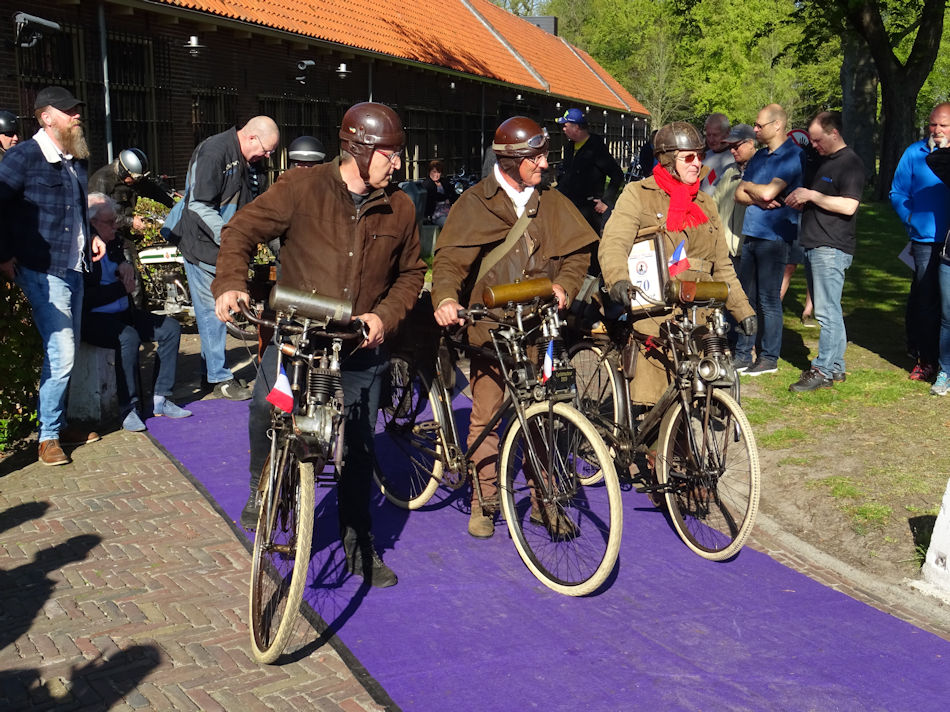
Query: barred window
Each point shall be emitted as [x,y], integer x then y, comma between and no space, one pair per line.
[298,116]
[212,111]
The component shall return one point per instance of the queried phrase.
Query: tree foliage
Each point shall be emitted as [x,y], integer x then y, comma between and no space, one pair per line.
[684,59]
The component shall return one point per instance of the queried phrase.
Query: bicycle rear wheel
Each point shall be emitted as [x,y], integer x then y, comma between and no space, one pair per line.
[599,394]
[708,458]
[281,554]
[566,532]
[409,447]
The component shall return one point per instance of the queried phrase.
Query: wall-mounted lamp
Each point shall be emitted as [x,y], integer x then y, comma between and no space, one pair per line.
[452,86]
[519,98]
[193,46]
[30,29]
[342,72]
[557,105]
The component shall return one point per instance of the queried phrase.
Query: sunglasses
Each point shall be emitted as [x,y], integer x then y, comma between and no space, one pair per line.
[692,156]
[8,134]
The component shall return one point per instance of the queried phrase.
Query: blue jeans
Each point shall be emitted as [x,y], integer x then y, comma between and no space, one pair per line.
[124,332]
[212,330]
[944,278]
[923,303]
[824,271]
[760,273]
[363,375]
[57,313]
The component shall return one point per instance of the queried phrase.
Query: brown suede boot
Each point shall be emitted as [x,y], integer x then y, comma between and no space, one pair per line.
[480,525]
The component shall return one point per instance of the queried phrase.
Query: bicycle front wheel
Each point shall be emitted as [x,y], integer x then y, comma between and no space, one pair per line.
[409,447]
[281,554]
[709,462]
[566,532]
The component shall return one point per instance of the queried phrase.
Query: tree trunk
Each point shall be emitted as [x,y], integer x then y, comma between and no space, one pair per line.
[859,100]
[898,128]
[900,83]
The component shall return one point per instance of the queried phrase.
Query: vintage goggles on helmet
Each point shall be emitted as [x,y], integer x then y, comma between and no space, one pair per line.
[535,143]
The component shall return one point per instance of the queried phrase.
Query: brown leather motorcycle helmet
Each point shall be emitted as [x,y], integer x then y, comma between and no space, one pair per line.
[520,137]
[368,126]
[516,139]
[677,136]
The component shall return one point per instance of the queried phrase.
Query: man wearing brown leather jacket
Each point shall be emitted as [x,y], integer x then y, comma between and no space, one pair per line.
[350,235]
[556,243]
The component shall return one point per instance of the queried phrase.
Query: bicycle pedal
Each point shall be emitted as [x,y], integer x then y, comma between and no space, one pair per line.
[426,425]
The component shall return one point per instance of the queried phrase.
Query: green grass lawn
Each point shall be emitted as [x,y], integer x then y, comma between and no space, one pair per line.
[878,418]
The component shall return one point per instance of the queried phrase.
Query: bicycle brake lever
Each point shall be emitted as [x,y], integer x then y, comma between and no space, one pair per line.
[360,327]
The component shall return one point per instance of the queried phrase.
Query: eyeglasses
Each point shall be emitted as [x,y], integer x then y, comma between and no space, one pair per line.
[735,146]
[759,126]
[267,154]
[697,156]
[391,156]
[536,160]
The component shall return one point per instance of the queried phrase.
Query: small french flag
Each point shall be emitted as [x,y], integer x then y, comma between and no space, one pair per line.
[678,262]
[281,396]
[548,366]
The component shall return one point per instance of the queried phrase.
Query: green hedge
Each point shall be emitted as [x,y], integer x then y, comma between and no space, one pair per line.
[21,356]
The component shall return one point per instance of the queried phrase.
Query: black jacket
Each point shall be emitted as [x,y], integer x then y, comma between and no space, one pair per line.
[583,174]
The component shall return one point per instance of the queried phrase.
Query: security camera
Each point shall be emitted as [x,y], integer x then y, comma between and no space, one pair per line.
[304,64]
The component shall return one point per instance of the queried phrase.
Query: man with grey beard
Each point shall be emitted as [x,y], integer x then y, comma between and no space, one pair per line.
[46,246]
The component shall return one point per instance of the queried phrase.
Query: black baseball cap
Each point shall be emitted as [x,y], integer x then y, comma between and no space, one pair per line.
[57,97]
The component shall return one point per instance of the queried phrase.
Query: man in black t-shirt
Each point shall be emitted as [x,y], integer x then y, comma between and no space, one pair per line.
[829,210]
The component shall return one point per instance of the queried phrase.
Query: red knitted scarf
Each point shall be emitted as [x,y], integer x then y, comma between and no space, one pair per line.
[683,212]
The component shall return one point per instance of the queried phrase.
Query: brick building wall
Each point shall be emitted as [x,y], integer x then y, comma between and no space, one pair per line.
[164,98]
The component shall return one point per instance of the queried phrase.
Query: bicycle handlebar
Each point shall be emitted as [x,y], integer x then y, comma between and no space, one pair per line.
[355,326]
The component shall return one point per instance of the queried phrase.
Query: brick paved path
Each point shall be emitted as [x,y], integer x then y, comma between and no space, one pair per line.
[121,587]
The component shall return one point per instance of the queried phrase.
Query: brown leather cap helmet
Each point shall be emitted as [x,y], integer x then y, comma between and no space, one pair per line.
[677,136]
[368,126]
[520,137]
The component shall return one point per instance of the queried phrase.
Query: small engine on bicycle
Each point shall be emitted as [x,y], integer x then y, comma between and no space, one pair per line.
[702,354]
[311,356]
[318,411]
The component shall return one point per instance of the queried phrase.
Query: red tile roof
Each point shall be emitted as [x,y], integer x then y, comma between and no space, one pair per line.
[470,36]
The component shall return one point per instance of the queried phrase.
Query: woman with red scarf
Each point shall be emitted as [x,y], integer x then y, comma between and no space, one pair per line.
[669,208]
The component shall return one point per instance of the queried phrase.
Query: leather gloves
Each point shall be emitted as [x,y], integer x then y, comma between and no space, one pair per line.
[749,325]
[620,292]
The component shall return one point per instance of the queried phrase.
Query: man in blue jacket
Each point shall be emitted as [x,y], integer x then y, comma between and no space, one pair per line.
[45,246]
[922,202]
[217,184]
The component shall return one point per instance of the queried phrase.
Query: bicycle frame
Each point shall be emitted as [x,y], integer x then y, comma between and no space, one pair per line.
[693,374]
[522,385]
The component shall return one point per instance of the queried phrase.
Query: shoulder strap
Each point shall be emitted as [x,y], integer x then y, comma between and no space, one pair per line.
[499,251]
